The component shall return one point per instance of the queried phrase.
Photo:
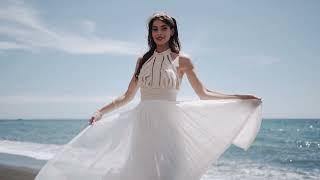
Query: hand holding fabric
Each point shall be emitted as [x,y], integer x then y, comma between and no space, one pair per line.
[248,97]
[95,117]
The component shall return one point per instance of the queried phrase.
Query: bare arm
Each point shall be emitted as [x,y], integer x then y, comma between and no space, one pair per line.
[121,100]
[187,67]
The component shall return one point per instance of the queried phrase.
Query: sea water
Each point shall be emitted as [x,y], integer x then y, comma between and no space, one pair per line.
[283,149]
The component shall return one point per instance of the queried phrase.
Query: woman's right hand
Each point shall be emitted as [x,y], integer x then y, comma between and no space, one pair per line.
[92,120]
[95,117]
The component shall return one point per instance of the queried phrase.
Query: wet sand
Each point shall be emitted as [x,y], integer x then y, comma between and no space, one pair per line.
[17,173]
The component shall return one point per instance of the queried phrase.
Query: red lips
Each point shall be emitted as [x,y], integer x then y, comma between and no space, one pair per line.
[159,38]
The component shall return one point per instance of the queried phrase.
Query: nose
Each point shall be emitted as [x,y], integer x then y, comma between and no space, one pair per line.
[159,33]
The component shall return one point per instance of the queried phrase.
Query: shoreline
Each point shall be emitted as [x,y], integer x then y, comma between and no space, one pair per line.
[17,173]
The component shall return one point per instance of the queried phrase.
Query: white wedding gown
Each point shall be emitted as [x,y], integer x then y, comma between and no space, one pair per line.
[160,138]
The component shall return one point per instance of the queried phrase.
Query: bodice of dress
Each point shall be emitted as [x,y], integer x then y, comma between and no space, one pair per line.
[158,78]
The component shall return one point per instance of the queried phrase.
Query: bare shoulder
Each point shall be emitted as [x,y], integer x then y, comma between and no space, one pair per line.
[139,60]
[185,62]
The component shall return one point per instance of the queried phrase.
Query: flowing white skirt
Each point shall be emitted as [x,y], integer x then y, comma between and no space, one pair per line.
[157,140]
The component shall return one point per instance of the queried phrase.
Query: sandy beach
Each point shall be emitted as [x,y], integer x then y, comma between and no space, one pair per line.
[17,173]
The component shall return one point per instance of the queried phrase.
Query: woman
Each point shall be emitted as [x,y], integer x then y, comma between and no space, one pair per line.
[161,138]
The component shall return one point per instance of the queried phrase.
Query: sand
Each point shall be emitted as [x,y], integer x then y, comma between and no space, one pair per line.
[17,173]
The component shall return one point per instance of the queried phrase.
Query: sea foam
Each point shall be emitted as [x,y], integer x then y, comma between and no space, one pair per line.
[29,149]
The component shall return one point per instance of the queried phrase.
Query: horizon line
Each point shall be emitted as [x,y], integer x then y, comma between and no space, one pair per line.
[61,118]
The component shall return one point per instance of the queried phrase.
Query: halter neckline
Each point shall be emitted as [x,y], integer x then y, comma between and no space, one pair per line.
[163,52]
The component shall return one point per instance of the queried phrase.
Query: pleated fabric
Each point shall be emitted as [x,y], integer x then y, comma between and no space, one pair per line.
[157,140]
[160,138]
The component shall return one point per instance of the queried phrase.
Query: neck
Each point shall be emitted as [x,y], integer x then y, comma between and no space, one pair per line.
[162,48]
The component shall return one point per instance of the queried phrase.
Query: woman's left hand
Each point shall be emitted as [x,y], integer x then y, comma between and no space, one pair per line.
[248,97]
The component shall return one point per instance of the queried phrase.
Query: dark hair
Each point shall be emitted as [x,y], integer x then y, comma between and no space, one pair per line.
[174,43]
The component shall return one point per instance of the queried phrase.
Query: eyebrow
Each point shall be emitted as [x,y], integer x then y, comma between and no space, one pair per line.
[161,26]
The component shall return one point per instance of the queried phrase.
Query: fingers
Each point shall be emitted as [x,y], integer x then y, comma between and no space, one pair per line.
[258,98]
[95,117]
[92,121]
[249,97]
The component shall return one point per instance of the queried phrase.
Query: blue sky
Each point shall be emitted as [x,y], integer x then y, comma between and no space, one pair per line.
[65,59]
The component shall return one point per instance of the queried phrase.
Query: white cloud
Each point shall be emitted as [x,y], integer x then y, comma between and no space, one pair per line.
[26,30]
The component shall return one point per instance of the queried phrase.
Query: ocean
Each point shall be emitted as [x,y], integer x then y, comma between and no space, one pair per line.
[283,149]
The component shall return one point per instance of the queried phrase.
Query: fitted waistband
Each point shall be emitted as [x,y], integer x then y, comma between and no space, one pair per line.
[158,94]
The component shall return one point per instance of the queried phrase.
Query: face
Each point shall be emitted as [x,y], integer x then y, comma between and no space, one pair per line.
[161,32]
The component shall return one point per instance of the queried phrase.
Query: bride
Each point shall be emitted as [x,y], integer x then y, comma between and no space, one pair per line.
[160,138]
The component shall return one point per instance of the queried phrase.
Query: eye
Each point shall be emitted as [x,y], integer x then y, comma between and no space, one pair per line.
[154,29]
